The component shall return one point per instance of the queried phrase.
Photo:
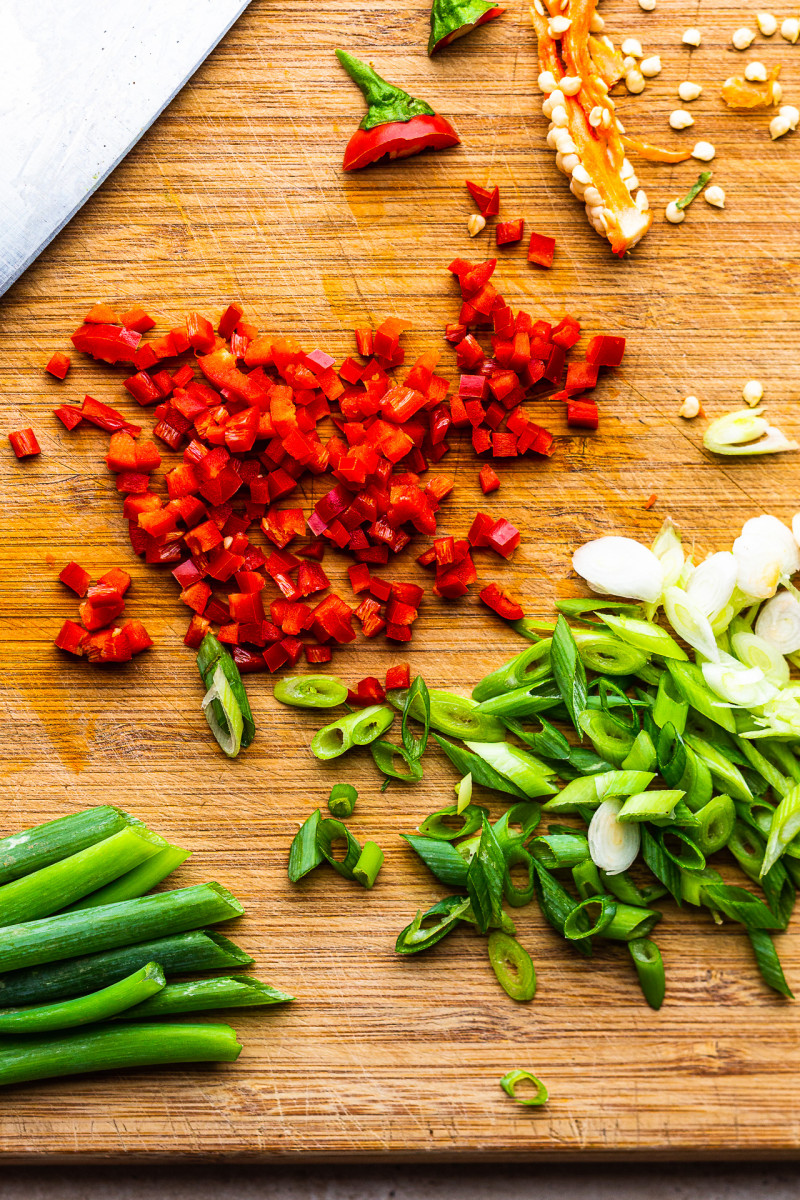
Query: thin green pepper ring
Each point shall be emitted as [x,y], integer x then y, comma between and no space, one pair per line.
[310,691]
[513,966]
[510,1082]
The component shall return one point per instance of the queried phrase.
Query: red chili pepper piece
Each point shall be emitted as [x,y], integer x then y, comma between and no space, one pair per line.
[605,351]
[105,417]
[72,638]
[137,319]
[501,603]
[108,646]
[101,609]
[583,413]
[503,538]
[69,416]
[109,343]
[581,377]
[229,320]
[480,195]
[567,332]
[488,479]
[541,250]
[318,654]
[101,314]
[76,578]
[115,578]
[138,637]
[24,443]
[58,364]
[197,596]
[398,676]
[508,232]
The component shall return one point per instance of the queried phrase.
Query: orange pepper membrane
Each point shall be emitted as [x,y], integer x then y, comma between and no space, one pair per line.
[741,94]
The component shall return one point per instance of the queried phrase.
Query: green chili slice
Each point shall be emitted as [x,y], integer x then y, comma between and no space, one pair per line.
[430,927]
[470,818]
[342,800]
[644,635]
[485,879]
[369,864]
[441,858]
[356,729]
[304,853]
[99,1006]
[768,962]
[329,831]
[650,969]
[525,670]
[310,691]
[510,1082]
[568,671]
[513,966]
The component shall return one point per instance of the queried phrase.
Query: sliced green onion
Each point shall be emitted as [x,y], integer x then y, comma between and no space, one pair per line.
[670,708]
[369,864]
[754,651]
[694,191]
[668,549]
[601,651]
[464,792]
[690,623]
[556,905]
[223,714]
[645,635]
[212,654]
[786,760]
[758,813]
[557,850]
[529,774]
[342,800]
[578,923]
[642,755]
[745,432]
[630,923]
[672,755]
[568,671]
[784,827]
[620,566]
[660,863]
[593,789]
[510,1082]
[650,806]
[418,698]
[388,757]
[523,702]
[611,738]
[768,962]
[777,781]
[482,772]
[356,729]
[741,905]
[613,846]
[441,858]
[40,846]
[693,884]
[513,966]
[745,687]
[136,881]
[111,1047]
[311,691]
[457,716]
[622,886]
[99,1006]
[523,817]
[231,991]
[304,853]
[586,878]
[686,853]
[55,887]
[329,831]
[690,683]
[434,826]
[517,856]
[430,927]
[198,950]
[69,934]
[577,607]
[485,879]
[524,670]
[650,969]
[716,822]
[723,770]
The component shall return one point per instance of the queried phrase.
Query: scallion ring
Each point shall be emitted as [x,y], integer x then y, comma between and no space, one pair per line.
[355,729]
[470,818]
[513,966]
[310,691]
[578,923]
[510,1082]
[223,714]
[330,831]
[650,969]
[342,800]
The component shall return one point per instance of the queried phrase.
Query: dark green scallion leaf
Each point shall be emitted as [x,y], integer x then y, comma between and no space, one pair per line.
[386,754]
[419,698]
[304,853]
[568,672]
[740,905]
[482,773]
[769,964]
[471,819]
[430,927]
[441,858]
[517,856]
[329,831]
[556,905]
[485,879]
[663,867]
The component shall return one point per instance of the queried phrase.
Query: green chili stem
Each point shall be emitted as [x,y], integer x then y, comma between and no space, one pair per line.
[694,190]
[98,1006]
[385,102]
[138,881]
[231,991]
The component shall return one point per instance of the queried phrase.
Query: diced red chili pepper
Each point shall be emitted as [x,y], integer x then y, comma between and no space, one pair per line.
[480,529]
[581,377]
[359,577]
[455,333]
[541,250]
[116,578]
[76,578]
[24,443]
[197,596]
[605,351]
[69,416]
[251,661]
[132,481]
[567,332]
[229,320]
[503,538]
[138,637]
[58,364]
[318,654]
[101,610]
[504,445]
[398,676]
[137,319]
[583,414]
[501,603]
[107,342]
[72,638]
[488,479]
[246,607]
[508,232]
[101,314]
[198,628]
[105,417]
[398,613]
[481,440]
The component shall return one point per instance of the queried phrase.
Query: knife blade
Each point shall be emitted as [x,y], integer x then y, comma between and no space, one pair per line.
[81,82]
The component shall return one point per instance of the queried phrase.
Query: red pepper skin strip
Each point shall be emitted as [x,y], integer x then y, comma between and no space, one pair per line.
[398,140]
[654,153]
[24,443]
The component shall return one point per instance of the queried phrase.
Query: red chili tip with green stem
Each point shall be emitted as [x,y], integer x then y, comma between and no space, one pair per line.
[396,124]
[451,19]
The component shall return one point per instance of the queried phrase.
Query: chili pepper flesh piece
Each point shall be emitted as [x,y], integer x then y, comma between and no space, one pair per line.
[451,19]
[741,94]
[501,603]
[24,443]
[396,124]
[507,233]
[541,250]
[654,153]
[58,364]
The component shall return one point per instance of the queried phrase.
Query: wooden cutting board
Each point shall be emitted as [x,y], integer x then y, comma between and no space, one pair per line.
[237,193]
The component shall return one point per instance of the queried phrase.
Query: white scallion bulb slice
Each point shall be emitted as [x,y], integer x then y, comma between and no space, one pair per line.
[767,530]
[765,552]
[229,733]
[613,846]
[745,432]
[736,684]
[779,623]
[669,552]
[754,651]
[690,622]
[620,566]
[711,584]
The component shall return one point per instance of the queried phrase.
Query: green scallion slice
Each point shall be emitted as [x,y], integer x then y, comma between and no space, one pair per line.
[692,686]
[559,850]
[430,927]
[556,905]
[356,729]
[612,739]
[517,856]
[644,635]
[650,969]
[441,858]
[568,671]
[740,905]
[650,806]
[486,878]
[642,755]
[304,853]
[592,790]
[395,762]
[369,864]
[223,714]
[513,966]
[769,964]
[418,700]
[212,654]
[342,800]
[510,1082]
[784,828]
[330,831]
[482,772]
[523,702]
[470,818]
[586,877]
[525,670]
[601,651]
[715,824]
[310,691]
[529,773]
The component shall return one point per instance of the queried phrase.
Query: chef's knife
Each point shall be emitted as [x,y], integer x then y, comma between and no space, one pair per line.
[81,82]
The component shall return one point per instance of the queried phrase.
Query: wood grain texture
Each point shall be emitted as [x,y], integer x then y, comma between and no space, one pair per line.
[236,193]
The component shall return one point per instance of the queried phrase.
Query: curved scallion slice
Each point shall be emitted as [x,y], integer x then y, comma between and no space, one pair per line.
[591,790]
[430,927]
[369,864]
[630,923]
[330,831]
[712,584]
[342,800]
[523,702]
[114,1046]
[609,655]
[620,566]
[778,623]
[529,773]
[586,878]
[510,1082]
[690,683]
[650,969]
[733,683]
[311,691]
[558,850]
[457,716]
[590,917]
[304,853]
[745,432]
[755,651]
[525,670]
[568,671]
[682,849]
[517,856]
[434,826]
[482,772]
[768,962]
[441,858]
[517,823]
[613,846]
[644,635]
[576,607]
[716,820]
[723,770]
[513,966]
[740,905]
[395,762]
[228,727]
[355,729]
[612,739]
[642,755]
[99,1006]
[670,708]
[658,807]
[783,829]
[464,792]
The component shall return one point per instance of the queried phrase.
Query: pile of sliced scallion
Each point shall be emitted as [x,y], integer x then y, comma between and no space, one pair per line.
[81,945]
[677,766]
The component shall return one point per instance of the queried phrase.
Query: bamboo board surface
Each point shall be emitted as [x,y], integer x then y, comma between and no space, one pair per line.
[236,193]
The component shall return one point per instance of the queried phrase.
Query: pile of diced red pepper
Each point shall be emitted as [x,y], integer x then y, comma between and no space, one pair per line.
[97,637]
[247,429]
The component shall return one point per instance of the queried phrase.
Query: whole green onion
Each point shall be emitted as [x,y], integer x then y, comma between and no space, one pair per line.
[650,969]
[198,950]
[513,966]
[644,635]
[441,858]
[434,826]
[356,729]
[230,991]
[369,864]
[311,691]
[510,1082]
[304,853]
[342,800]
[212,654]
[784,827]
[527,669]
[430,927]
[137,881]
[606,654]
[529,774]
[650,806]
[69,934]
[716,820]
[83,1010]
[28,851]
[45,891]
[482,772]
[111,1047]
[330,831]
